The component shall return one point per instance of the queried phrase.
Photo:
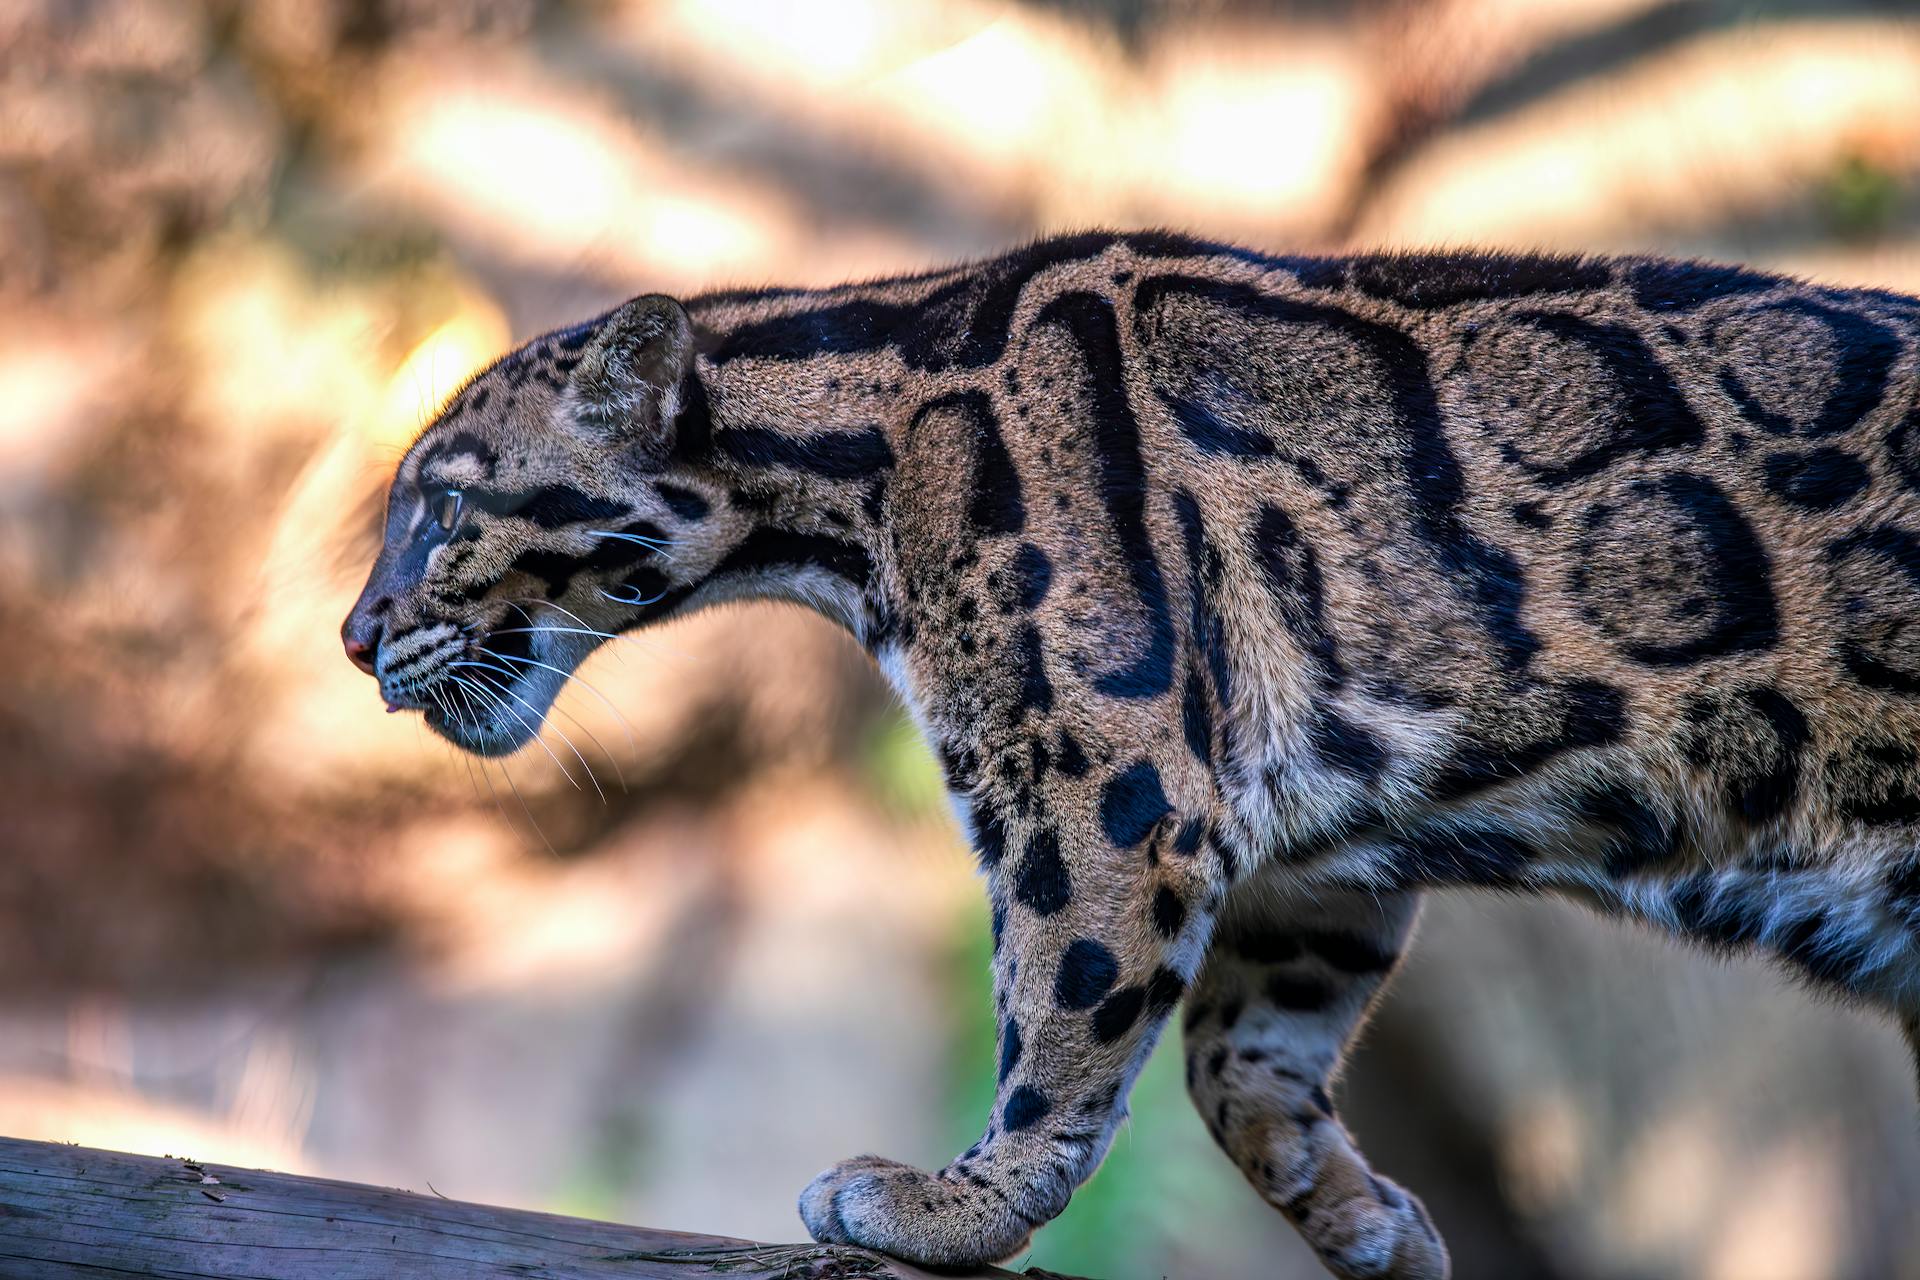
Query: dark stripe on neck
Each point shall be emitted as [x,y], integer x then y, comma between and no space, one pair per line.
[833,455]
[783,549]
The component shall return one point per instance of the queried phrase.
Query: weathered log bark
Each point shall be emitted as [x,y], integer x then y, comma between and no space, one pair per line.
[75,1212]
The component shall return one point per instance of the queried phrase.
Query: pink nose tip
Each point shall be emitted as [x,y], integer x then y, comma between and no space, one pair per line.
[359,653]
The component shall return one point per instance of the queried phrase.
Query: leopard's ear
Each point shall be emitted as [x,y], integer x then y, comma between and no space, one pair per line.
[627,384]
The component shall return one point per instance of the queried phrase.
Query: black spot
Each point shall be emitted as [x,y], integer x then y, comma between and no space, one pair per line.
[1026,1107]
[1132,803]
[1036,691]
[998,924]
[684,503]
[1204,624]
[576,336]
[1210,433]
[1818,481]
[508,645]
[1089,319]
[1087,972]
[959,766]
[832,455]
[1348,952]
[1686,286]
[1169,912]
[1298,994]
[1032,575]
[1164,990]
[1531,515]
[991,837]
[1043,885]
[1431,280]
[1186,842]
[1347,747]
[1903,447]
[644,583]
[1009,1049]
[1196,717]
[1720,913]
[1117,1014]
[1292,573]
[1903,892]
[1486,856]
[465,443]
[1827,955]
[553,568]
[1069,758]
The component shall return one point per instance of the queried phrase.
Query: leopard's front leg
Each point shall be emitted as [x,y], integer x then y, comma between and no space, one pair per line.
[1102,910]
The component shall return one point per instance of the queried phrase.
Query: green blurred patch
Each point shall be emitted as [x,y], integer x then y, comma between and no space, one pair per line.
[1861,198]
[900,770]
[611,1165]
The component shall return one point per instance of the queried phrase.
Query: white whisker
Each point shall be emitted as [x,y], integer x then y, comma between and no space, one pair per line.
[531,820]
[533,731]
[637,604]
[664,549]
[580,724]
[535,712]
[570,676]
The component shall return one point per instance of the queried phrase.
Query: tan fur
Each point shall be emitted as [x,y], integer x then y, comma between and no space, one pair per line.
[1244,598]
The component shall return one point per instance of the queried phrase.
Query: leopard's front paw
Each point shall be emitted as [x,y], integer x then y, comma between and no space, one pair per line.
[942,1220]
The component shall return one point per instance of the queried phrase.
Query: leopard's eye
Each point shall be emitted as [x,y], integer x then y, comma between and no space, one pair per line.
[446,508]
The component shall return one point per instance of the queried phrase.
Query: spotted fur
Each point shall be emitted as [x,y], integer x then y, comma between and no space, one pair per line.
[1244,598]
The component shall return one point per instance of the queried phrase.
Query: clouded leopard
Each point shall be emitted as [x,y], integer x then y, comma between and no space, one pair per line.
[1244,598]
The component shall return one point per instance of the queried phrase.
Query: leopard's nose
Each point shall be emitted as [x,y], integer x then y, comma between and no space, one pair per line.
[360,652]
[360,636]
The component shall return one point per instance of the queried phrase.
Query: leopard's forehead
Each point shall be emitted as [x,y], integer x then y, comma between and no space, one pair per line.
[493,432]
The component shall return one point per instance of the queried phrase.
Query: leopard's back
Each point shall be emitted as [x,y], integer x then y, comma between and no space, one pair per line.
[1583,574]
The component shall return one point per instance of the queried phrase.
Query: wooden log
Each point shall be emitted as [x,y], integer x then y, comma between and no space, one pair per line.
[74,1212]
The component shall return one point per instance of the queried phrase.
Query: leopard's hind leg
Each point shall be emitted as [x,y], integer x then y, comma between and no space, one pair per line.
[1285,986]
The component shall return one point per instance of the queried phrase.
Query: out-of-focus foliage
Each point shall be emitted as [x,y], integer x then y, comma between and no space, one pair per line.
[247,248]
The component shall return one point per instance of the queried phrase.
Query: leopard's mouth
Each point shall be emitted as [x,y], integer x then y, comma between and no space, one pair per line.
[492,697]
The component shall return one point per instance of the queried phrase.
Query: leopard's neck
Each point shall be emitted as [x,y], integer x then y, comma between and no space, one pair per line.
[806,443]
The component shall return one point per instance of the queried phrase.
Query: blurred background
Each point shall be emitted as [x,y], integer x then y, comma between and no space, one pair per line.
[245,250]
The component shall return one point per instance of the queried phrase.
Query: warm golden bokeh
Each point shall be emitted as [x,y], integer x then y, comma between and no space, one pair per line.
[247,249]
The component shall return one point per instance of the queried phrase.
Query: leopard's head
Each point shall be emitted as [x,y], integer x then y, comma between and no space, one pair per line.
[549,507]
